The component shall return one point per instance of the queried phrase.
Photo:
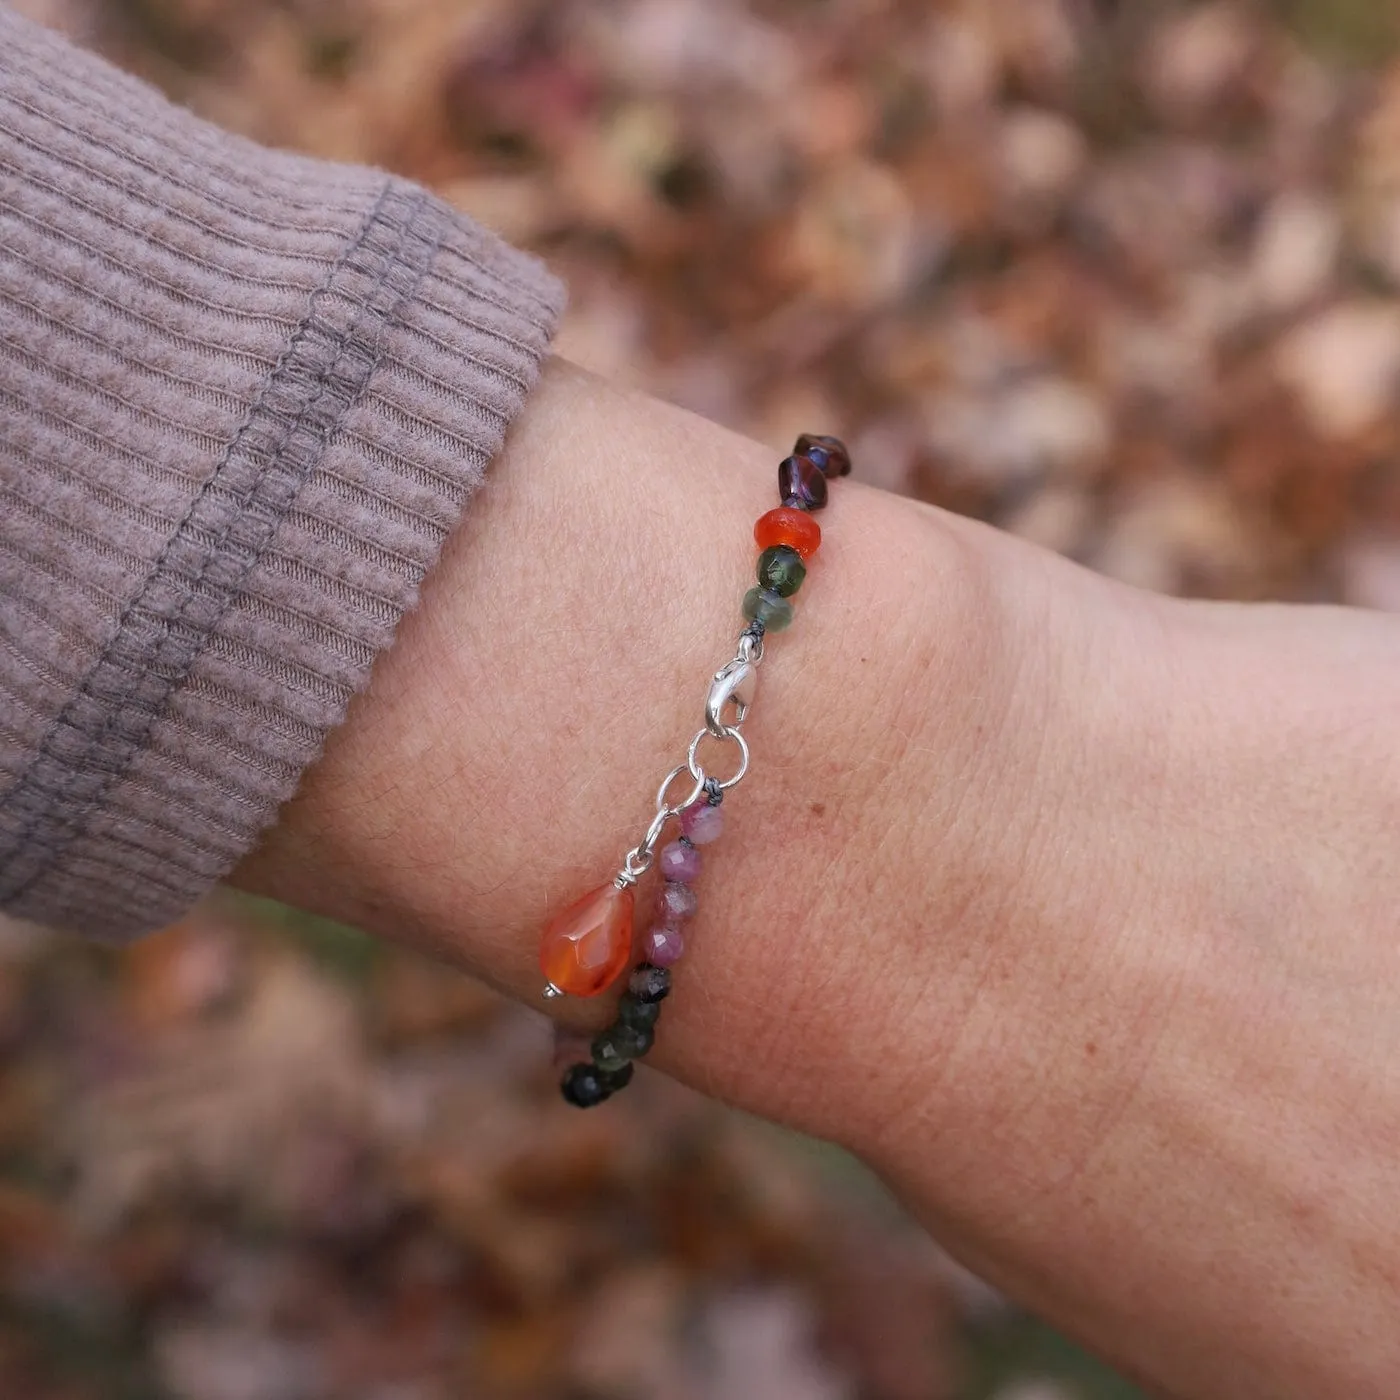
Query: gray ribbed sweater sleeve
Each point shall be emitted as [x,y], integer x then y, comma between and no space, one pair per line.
[244,396]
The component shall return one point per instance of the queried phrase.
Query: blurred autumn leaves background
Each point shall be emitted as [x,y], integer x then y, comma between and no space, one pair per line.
[1121,277]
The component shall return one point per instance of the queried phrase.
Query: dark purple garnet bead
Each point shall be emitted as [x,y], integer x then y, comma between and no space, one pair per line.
[801,483]
[829,453]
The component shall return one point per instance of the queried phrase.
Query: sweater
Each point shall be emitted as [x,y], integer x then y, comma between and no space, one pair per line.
[244,396]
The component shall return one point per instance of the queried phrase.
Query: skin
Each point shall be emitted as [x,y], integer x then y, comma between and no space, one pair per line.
[1070,909]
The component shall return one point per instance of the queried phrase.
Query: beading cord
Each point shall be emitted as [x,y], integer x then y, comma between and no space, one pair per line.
[587,946]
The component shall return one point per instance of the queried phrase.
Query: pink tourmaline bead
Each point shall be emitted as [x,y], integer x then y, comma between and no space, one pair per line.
[662,947]
[702,823]
[679,862]
[675,902]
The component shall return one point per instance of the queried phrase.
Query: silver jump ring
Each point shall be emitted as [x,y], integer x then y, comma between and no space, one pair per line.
[699,773]
[675,809]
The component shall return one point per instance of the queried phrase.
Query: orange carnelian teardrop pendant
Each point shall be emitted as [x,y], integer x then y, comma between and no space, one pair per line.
[585,948]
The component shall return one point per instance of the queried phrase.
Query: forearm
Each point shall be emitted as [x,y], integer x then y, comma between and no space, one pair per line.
[1170,1120]
[1066,907]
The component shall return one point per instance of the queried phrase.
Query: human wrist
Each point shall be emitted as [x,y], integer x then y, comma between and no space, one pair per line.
[496,764]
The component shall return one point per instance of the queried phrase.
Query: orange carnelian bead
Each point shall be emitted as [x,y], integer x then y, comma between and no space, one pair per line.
[789,526]
[586,947]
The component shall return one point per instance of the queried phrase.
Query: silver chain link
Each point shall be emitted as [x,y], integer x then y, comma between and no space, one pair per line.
[731,689]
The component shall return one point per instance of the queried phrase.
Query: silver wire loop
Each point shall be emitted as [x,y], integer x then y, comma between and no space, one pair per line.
[699,773]
[635,863]
[658,824]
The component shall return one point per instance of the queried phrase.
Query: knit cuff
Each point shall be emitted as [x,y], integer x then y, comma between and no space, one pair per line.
[249,395]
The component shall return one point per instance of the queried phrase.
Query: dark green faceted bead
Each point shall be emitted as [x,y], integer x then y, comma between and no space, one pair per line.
[620,1043]
[632,1011]
[770,608]
[583,1086]
[780,568]
[586,1086]
[607,1056]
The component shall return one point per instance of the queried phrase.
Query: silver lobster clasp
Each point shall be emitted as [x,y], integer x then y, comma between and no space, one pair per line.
[735,681]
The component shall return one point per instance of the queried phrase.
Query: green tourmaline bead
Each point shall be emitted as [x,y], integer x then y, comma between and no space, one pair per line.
[620,1043]
[641,1015]
[586,1085]
[583,1087]
[781,569]
[770,608]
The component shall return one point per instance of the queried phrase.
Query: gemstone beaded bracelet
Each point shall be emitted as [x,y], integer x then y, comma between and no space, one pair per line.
[587,946]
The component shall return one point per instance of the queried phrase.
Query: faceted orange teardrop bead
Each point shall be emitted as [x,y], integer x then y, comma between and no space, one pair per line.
[585,948]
